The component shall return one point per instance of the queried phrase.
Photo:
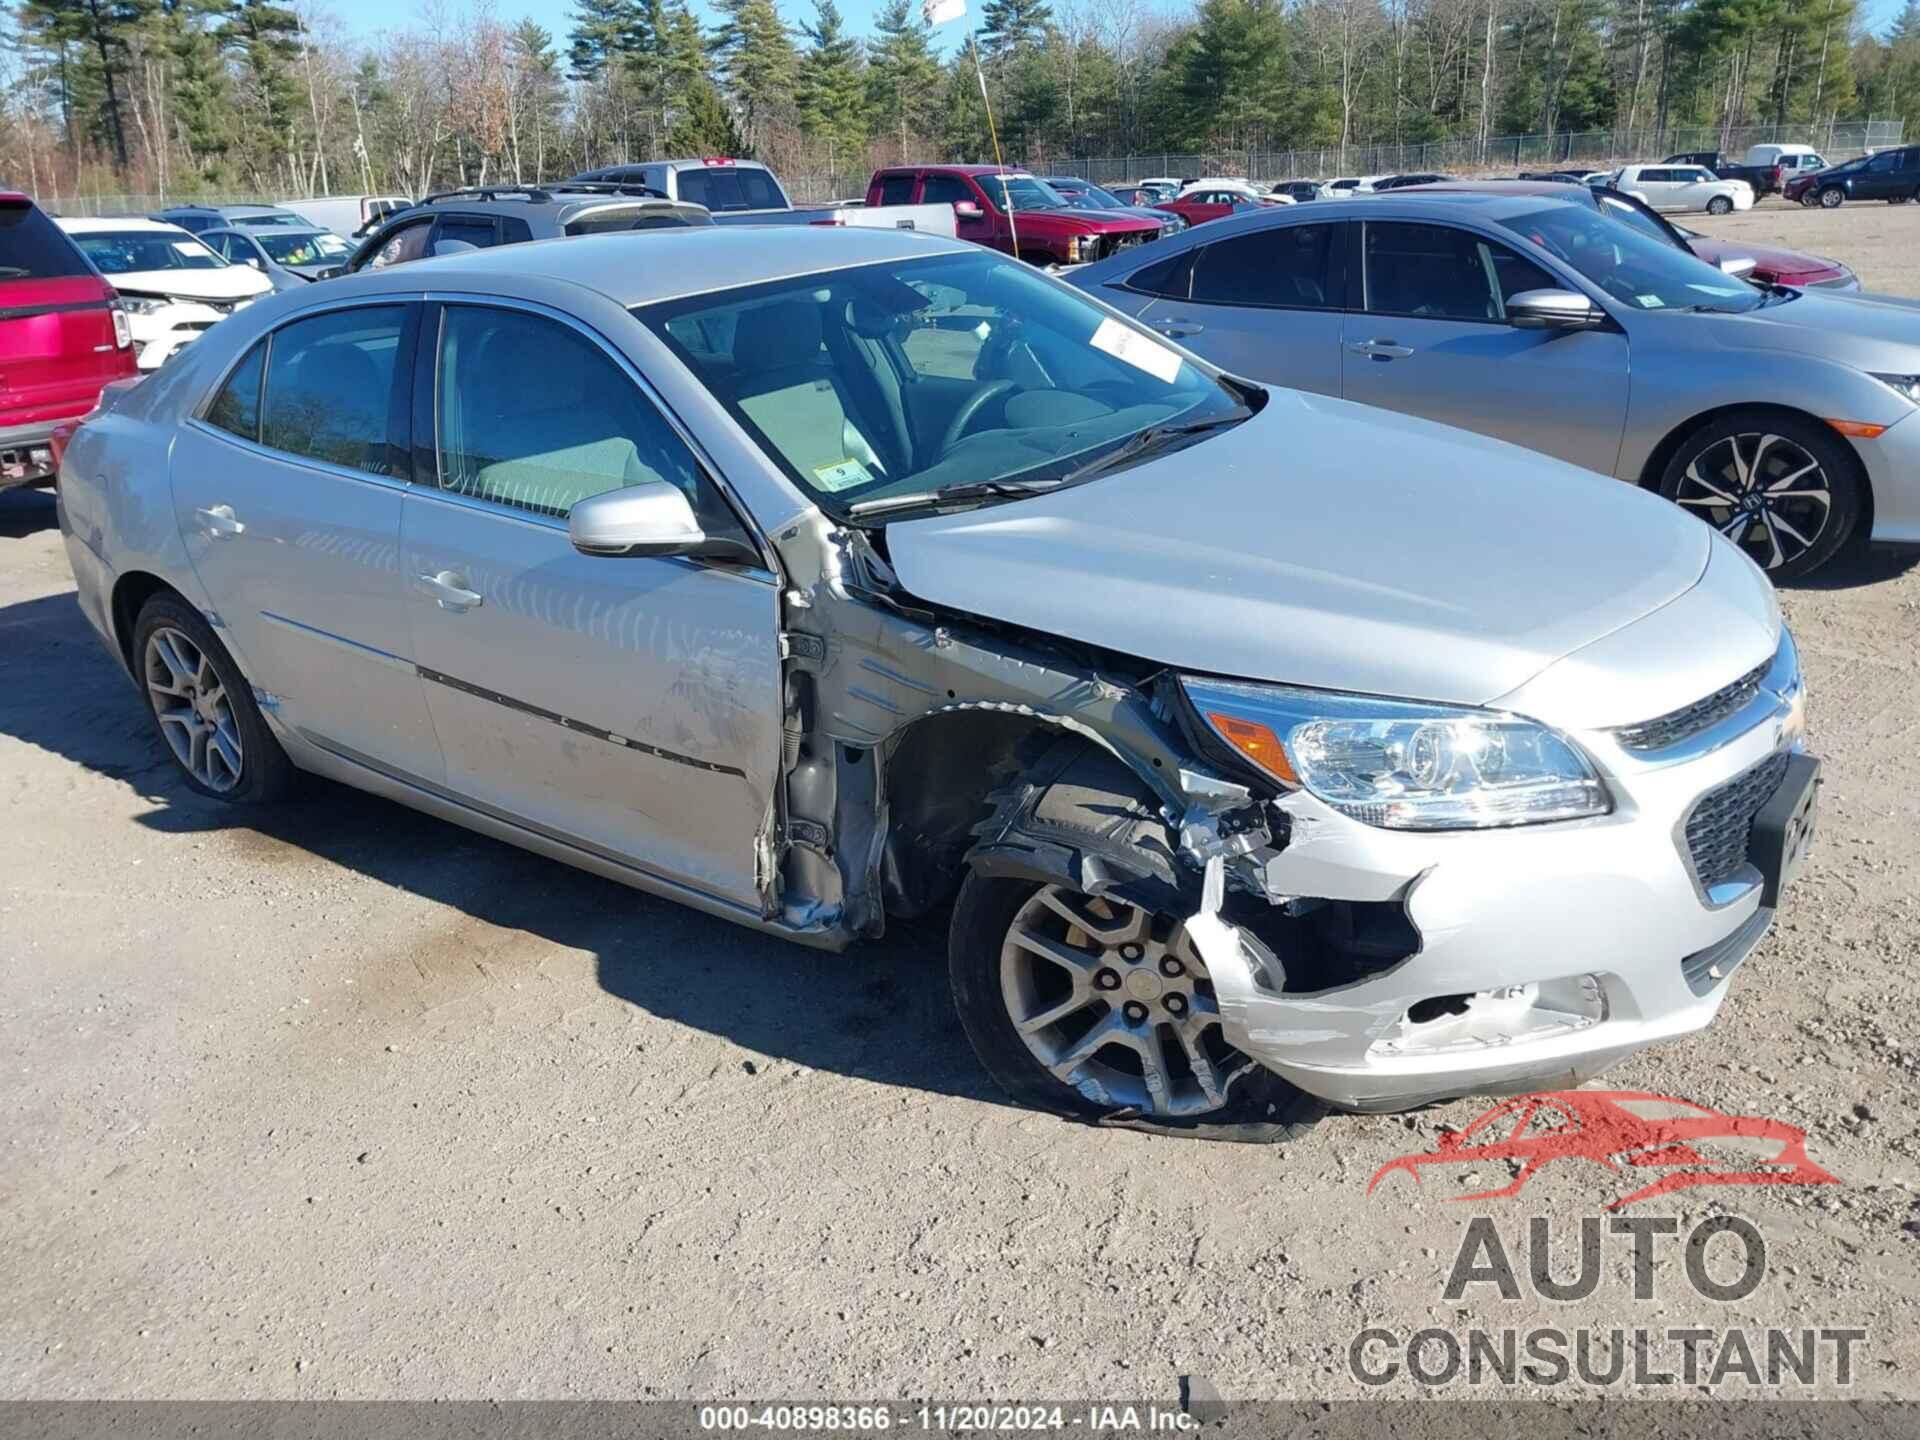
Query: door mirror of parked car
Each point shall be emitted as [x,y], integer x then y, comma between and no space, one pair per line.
[1552,310]
[966,210]
[1738,266]
[653,518]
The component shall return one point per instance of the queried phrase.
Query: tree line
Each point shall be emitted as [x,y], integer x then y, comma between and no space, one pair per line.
[188,97]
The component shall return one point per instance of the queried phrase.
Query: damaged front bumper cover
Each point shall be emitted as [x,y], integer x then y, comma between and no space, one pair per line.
[1546,953]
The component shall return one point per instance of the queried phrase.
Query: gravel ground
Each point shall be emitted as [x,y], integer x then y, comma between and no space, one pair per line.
[352,1103]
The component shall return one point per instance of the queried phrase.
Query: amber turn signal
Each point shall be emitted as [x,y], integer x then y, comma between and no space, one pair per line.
[1255,741]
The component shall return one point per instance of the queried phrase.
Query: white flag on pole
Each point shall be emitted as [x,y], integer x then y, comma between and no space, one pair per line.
[939,12]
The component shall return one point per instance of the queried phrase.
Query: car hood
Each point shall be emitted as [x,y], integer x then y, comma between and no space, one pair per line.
[230,282]
[1859,330]
[1085,222]
[1326,544]
[1769,260]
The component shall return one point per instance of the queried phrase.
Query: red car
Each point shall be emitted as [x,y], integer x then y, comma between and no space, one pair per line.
[1773,264]
[1046,228]
[1202,203]
[62,337]
[1620,1130]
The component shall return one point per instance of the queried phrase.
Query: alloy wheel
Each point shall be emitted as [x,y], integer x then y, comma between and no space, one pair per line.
[1719,205]
[1763,492]
[195,714]
[1830,199]
[1116,1003]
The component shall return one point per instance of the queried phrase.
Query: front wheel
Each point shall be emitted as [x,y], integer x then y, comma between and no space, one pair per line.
[1831,198]
[1787,491]
[1719,205]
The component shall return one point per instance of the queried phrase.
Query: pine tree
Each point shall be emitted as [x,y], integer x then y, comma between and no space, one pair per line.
[758,61]
[704,126]
[200,94]
[604,31]
[266,38]
[89,35]
[904,82]
[830,93]
[1007,26]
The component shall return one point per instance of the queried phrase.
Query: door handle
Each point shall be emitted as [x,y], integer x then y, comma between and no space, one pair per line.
[449,590]
[1380,349]
[219,522]
[1178,327]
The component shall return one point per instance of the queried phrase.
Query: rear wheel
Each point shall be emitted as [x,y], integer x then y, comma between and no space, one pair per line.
[1831,198]
[204,708]
[1719,205]
[1786,490]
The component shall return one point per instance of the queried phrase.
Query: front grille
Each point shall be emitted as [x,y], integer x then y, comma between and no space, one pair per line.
[1721,825]
[1107,245]
[1689,720]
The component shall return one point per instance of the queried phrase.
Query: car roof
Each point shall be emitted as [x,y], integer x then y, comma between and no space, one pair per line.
[1484,205]
[96,224]
[239,212]
[718,258]
[1550,189]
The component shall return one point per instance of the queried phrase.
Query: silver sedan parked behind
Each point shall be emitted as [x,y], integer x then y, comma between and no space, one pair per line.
[1782,417]
[868,574]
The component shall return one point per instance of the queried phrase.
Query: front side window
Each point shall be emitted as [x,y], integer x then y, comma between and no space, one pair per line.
[1284,265]
[329,393]
[236,409]
[1633,268]
[1882,164]
[409,242]
[887,381]
[130,252]
[947,190]
[543,437]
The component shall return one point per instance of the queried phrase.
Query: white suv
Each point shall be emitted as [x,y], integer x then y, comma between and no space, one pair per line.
[1684,187]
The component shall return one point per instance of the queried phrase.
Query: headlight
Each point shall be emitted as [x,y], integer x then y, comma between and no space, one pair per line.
[1907,385]
[145,304]
[1400,765]
[1077,249]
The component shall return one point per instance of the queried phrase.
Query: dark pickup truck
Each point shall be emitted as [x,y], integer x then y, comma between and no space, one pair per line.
[1767,168]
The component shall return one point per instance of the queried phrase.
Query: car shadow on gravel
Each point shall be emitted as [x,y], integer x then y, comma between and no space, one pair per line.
[880,1011]
[26,512]
[1857,566]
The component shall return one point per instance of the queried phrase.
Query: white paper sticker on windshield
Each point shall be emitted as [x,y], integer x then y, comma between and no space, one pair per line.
[843,476]
[1137,350]
[1650,302]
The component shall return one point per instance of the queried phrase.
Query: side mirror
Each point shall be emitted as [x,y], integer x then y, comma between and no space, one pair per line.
[1738,266]
[649,519]
[966,210]
[1553,310]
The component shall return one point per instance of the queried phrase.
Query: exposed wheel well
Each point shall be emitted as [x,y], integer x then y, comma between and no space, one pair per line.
[131,591]
[940,776]
[1663,453]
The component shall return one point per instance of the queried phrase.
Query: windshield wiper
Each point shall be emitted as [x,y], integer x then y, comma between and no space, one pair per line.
[1153,438]
[965,493]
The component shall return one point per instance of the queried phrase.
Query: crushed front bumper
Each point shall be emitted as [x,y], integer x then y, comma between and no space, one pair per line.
[1546,953]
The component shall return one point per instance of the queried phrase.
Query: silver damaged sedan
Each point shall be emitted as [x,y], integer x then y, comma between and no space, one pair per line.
[1781,417]
[873,575]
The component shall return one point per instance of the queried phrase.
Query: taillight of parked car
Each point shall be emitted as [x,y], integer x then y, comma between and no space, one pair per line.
[122,328]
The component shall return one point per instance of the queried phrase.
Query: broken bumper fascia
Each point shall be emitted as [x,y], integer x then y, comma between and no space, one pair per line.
[1580,943]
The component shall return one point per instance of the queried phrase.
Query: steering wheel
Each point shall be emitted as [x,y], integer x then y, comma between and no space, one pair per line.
[970,410]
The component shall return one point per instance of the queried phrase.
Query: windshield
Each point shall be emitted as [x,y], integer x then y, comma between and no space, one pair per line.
[304,249]
[1024,191]
[1631,266]
[1627,213]
[127,252]
[1087,197]
[900,378]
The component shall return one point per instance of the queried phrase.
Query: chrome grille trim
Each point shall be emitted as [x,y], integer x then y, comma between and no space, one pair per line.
[1665,731]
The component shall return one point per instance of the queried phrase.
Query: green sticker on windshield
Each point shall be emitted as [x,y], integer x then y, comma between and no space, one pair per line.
[843,476]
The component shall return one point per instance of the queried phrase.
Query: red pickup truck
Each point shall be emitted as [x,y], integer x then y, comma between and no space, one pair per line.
[996,205]
[62,337]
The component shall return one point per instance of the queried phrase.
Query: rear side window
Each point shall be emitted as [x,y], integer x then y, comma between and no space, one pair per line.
[1168,277]
[329,392]
[896,190]
[626,217]
[32,247]
[729,188]
[464,228]
[1288,265]
[237,407]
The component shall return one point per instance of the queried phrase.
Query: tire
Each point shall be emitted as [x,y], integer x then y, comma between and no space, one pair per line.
[1713,473]
[203,708]
[1719,205]
[1164,982]
[1832,198]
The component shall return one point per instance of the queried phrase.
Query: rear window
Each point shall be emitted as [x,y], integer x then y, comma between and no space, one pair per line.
[730,187]
[627,217]
[32,247]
